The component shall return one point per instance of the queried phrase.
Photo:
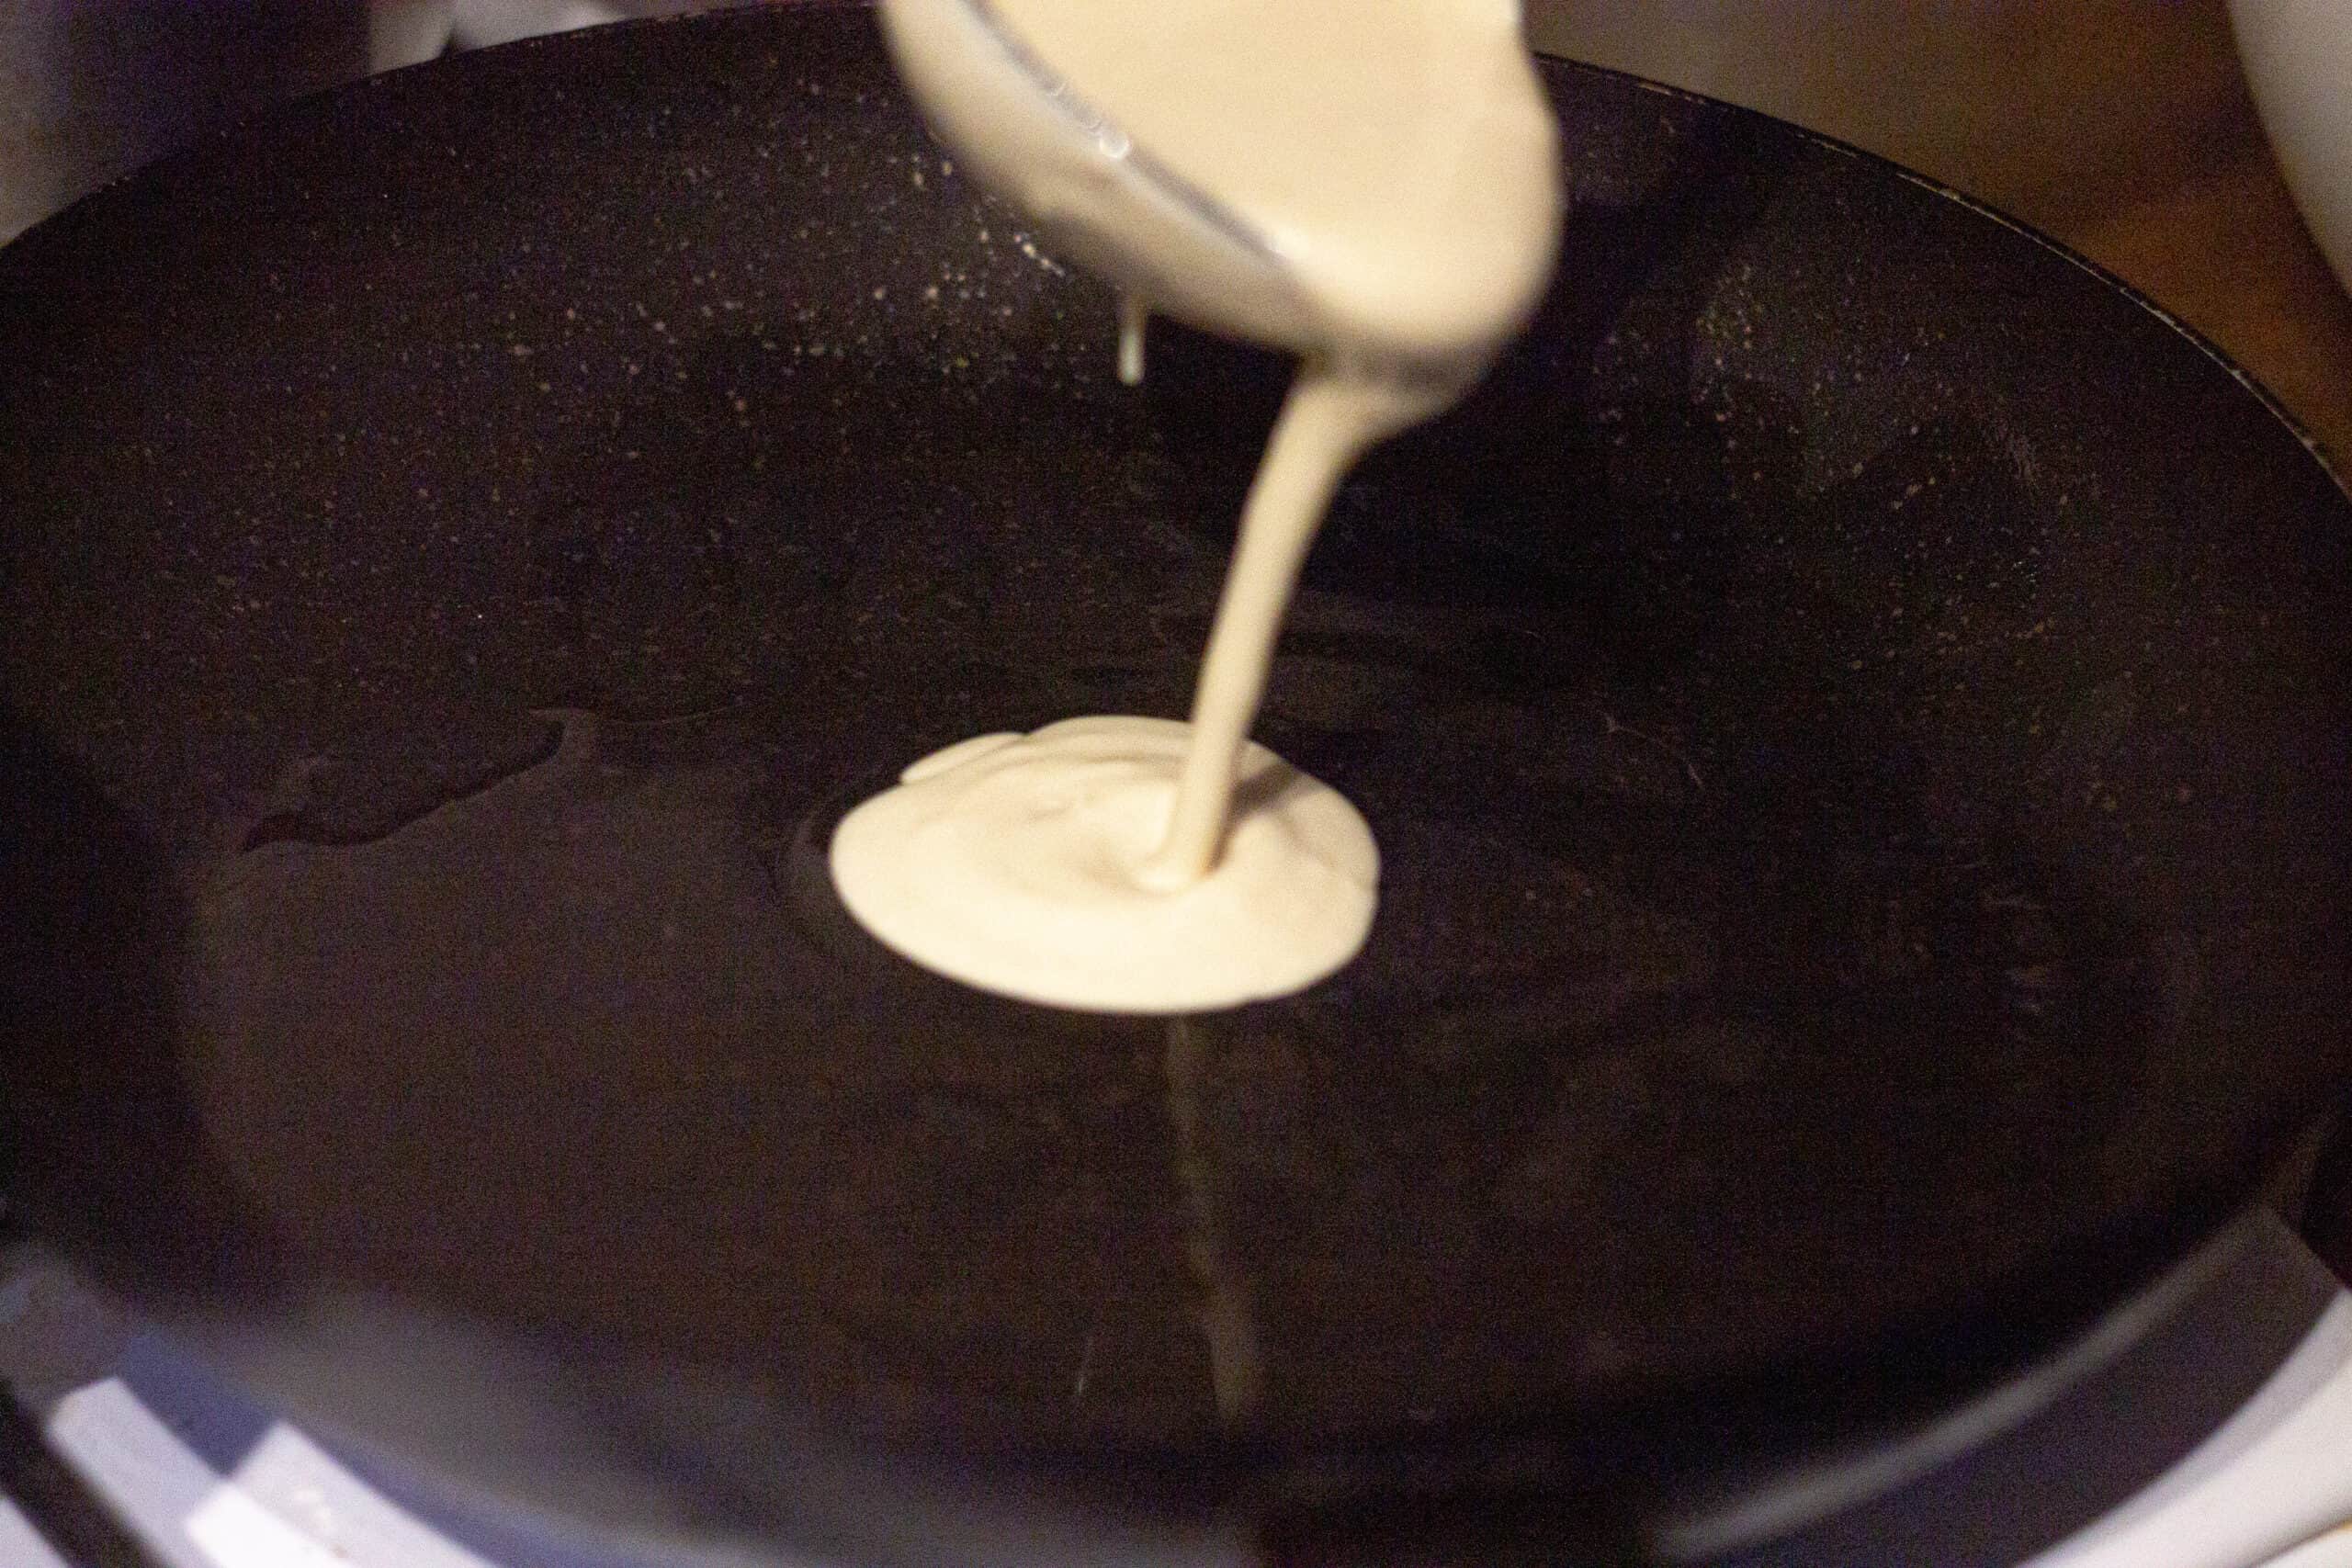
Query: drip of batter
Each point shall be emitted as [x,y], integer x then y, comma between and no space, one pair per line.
[1394,163]
[1134,318]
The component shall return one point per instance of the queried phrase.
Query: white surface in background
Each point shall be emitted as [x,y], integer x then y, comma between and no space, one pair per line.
[405,32]
[2332,1549]
[293,1479]
[288,1504]
[20,1545]
[2298,56]
[2278,1472]
[476,24]
[90,92]
[237,1532]
[2271,1480]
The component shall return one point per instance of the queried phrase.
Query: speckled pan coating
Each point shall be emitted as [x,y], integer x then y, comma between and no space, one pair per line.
[1854,713]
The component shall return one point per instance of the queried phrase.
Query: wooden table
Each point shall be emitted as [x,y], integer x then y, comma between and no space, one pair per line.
[2122,127]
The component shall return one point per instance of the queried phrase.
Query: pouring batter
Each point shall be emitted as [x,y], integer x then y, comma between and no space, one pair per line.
[1371,186]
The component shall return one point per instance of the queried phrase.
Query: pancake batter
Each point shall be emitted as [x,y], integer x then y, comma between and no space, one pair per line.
[1397,159]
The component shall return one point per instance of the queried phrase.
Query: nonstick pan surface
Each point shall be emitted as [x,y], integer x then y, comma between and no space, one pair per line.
[1854,713]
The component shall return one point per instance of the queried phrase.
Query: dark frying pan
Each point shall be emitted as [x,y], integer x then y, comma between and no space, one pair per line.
[1854,711]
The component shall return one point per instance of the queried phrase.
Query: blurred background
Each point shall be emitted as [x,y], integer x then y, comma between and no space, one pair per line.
[2125,128]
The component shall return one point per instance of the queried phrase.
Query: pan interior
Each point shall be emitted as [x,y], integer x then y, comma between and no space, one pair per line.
[1852,712]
